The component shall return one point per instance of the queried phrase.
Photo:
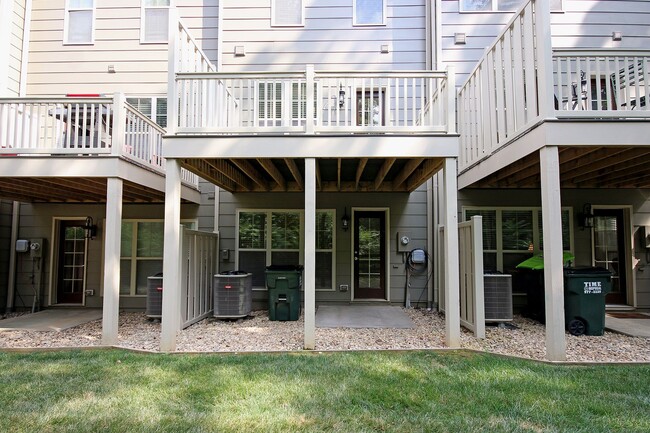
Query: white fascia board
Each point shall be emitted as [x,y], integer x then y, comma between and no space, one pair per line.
[318,146]
[598,133]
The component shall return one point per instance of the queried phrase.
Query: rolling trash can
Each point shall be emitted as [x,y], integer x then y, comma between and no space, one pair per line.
[283,284]
[584,299]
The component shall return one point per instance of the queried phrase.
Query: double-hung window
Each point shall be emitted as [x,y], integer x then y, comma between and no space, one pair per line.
[369,12]
[155,21]
[79,26]
[274,237]
[154,108]
[500,5]
[287,13]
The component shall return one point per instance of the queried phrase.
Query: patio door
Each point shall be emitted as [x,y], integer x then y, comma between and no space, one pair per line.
[71,260]
[610,251]
[369,255]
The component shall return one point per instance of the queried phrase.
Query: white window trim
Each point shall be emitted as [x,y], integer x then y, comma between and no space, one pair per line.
[496,10]
[154,104]
[142,21]
[132,289]
[66,21]
[499,251]
[301,249]
[302,16]
[383,15]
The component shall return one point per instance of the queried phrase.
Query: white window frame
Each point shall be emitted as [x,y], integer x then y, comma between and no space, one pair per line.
[193,223]
[143,8]
[495,8]
[268,250]
[154,105]
[302,15]
[499,251]
[66,23]
[383,15]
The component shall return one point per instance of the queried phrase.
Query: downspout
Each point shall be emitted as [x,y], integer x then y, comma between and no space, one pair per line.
[436,239]
[430,243]
[437,37]
[11,280]
[24,60]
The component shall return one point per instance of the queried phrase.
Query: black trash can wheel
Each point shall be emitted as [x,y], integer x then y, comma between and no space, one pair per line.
[577,327]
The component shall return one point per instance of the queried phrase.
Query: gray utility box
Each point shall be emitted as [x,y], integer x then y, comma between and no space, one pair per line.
[233,294]
[497,292]
[154,296]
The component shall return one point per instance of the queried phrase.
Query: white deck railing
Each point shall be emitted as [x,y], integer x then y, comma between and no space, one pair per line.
[520,81]
[334,102]
[82,126]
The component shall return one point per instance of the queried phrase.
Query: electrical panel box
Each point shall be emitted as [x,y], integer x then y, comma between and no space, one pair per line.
[403,241]
[22,245]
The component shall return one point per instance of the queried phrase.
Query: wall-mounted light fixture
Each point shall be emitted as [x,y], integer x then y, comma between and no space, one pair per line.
[460,38]
[90,229]
[586,217]
[345,220]
[341,96]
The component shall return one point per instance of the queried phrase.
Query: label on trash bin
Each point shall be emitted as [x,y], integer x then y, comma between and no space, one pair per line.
[593,287]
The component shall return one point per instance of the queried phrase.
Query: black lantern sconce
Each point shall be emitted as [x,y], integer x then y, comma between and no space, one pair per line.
[90,229]
[341,96]
[345,220]
[586,217]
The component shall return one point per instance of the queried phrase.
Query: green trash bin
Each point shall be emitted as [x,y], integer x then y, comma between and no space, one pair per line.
[584,299]
[283,284]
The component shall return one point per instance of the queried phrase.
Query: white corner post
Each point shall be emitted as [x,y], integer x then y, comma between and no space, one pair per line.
[451,263]
[310,253]
[553,261]
[171,302]
[112,243]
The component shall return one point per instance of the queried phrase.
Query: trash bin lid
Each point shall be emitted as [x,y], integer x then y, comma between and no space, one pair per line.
[588,270]
[537,262]
[284,268]
[239,272]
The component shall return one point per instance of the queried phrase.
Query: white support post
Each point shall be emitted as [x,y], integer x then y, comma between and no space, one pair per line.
[451,99]
[478,284]
[553,262]
[112,237]
[452,279]
[309,280]
[309,112]
[171,303]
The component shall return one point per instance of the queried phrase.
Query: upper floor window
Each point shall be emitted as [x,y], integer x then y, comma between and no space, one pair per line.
[499,5]
[369,12]
[155,21]
[79,27]
[154,108]
[287,13]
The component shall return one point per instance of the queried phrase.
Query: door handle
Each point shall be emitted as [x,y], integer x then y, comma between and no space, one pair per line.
[356,258]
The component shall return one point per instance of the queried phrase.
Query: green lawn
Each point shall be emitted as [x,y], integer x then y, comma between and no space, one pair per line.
[118,391]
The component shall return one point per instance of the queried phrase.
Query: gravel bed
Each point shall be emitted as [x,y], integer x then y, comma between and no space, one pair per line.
[523,338]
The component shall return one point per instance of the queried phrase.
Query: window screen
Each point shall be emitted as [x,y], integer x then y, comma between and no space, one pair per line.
[369,12]
[155,20]
[287,13]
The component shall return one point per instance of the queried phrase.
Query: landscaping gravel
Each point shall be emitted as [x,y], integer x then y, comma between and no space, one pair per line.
[523,337]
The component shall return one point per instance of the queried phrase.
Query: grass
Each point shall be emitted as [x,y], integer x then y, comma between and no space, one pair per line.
[118,391]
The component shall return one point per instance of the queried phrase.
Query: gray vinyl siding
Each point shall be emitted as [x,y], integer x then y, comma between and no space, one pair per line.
[581,242]
[36,221]
[56,69]
[407,213]
[582,24]
[16,48]
[328,39]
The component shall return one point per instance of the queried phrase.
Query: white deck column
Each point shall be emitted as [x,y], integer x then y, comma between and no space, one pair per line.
[309,280]
[171,303]
[553,262]
[452,294]
[112,243]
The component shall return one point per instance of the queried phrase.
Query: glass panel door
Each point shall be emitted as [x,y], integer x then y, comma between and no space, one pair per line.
[609,250]
[369,255]
[72,262]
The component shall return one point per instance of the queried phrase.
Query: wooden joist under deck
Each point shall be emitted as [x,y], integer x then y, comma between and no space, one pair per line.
[332,174]
[71,190]
[580,167]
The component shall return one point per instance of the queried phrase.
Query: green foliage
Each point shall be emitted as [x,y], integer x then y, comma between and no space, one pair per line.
[117,391]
